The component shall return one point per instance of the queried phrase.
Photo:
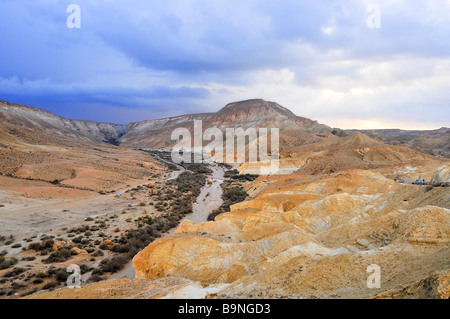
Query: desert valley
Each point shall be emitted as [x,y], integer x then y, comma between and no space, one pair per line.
[109,199]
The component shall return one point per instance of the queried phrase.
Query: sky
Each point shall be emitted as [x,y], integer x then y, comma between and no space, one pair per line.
[347,64]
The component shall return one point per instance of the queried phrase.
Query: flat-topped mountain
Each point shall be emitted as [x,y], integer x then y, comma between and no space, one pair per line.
[250,113]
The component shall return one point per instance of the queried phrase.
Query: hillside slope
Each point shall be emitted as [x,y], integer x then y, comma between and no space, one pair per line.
[245,114]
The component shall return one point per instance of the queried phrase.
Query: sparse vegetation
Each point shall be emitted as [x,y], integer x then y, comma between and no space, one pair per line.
[7,263]
[14,272]
[58,256]
[51,285]
[231,195]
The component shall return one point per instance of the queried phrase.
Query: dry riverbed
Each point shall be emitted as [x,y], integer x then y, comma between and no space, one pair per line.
[101,233]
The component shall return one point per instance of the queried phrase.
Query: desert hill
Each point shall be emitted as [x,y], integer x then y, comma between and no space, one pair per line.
[245,114]
[329,153]
[313,239]
[434,142]
[39,146]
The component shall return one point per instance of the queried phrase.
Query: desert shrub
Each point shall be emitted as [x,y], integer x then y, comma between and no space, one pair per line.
[17,286]
[58,256]
[173,223]
[84,269]
[7,263]
[51,271]
[14,272]
[51,285]
[16,245]
[45,244]
[243,178]
[29,258]
[103,246]
[95,278]
[212,216]
[48,243]
[41,274]
[62,275]
[113,264]
[77,240]
[231,173]
[81,229]
[147,220]
[30,292]
[97,271]
[35,246]
[121,248]
[230,196]
[38,281]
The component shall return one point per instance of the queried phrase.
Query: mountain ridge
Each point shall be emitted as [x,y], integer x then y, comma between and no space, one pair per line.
[296,130]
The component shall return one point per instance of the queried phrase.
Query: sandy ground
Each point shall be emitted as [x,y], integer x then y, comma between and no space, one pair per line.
[210,198]
[24,216]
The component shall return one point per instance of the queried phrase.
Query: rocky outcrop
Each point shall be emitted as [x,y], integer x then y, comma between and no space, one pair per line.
[313,239]
[436,286]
